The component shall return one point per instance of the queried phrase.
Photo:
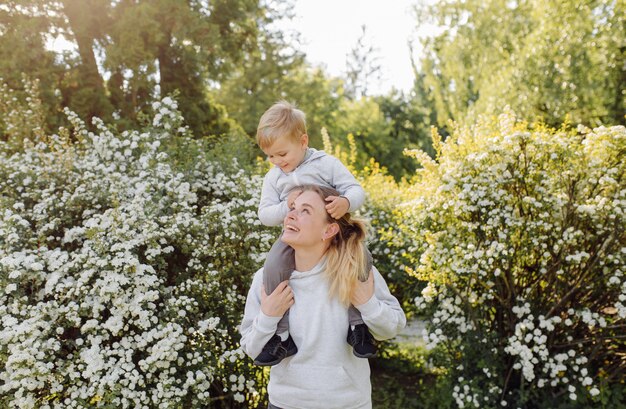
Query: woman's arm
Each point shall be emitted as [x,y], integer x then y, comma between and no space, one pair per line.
[256,327]
[382,312]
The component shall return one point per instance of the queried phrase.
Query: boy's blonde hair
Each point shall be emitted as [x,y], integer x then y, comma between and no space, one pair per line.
[282,119]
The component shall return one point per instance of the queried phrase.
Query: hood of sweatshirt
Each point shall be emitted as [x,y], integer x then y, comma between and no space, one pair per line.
[317,269]
[311,155]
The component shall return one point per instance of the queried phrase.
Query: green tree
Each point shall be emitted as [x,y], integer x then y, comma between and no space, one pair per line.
[179,46]
[260,78]
[383,127]
[29,24]
[23,52]
[86,23]
[546,59]
[130,52]
[277,70]
[409,128]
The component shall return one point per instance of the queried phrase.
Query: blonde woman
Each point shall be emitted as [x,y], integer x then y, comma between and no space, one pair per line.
[329,256]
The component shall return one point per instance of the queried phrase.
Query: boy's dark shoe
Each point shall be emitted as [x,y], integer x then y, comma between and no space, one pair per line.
[362,341]
[275,351]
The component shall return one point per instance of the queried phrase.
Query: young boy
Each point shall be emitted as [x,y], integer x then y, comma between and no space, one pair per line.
[282,136]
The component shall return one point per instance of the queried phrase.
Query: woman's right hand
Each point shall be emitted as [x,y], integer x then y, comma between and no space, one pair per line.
[278,302]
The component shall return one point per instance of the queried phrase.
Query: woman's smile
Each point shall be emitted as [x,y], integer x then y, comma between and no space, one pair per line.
[306,221]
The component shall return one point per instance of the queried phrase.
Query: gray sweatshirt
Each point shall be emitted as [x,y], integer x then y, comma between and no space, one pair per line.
[324,373]
[319,169]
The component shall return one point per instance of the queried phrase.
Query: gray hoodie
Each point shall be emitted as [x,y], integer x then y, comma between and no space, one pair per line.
[324,373]
[318,168]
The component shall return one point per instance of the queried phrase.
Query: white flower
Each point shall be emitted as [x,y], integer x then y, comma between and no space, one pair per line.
[429,292]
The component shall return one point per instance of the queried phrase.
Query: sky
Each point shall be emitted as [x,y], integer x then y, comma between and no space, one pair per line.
[331,28]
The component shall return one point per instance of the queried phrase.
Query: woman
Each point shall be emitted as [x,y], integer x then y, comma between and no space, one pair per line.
[329,254]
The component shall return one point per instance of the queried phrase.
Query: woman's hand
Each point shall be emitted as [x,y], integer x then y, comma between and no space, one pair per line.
[363,291]
[278,302]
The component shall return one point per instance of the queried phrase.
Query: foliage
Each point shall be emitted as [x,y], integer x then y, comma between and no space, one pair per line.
[519,232]
[23,53]
[402,379]
[382,128]
[144,49]
[269,77]
[387,242]
[548,60]
[22,114]
[124,263]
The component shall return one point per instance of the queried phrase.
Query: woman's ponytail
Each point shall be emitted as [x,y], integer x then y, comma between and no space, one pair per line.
[346,258]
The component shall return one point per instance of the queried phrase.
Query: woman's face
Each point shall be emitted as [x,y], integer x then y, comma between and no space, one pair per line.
[307,223]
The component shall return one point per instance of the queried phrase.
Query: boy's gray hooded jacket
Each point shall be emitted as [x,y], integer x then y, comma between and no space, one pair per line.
[318,168]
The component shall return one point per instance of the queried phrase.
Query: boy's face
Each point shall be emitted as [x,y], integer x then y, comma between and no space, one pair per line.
[287,153]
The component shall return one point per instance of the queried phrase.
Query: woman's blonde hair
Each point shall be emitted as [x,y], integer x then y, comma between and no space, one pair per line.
[282,119]
[345,258]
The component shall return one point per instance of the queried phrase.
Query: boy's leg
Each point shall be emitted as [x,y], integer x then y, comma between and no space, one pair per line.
[279,265]
[354,315]
[359,335]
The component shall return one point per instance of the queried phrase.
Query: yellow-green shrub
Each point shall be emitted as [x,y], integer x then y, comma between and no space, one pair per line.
[520,234]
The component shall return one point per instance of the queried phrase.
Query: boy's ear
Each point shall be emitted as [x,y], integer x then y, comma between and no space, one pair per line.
[331,231]
[304,140]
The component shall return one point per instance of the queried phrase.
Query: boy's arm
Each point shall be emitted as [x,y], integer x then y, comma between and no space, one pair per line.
[272,211]
[347,185]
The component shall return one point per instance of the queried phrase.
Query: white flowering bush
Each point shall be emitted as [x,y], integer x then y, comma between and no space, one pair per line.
[124,263]
[520,236]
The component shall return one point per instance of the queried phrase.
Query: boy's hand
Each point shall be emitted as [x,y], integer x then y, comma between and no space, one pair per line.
[337,207]
[292,197]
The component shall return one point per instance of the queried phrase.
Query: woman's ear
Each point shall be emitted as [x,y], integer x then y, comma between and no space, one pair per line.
[331,230]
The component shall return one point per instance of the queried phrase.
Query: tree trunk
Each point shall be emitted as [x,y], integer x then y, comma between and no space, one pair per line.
[83,18]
